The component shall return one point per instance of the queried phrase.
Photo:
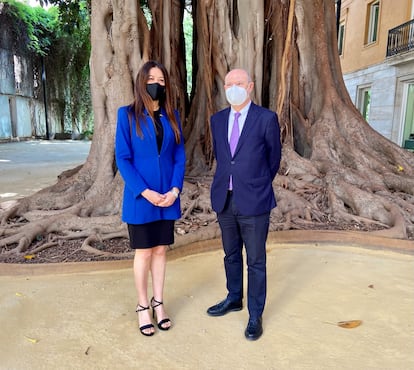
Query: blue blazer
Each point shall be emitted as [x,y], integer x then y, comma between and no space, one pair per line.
[143,168]
[254,165]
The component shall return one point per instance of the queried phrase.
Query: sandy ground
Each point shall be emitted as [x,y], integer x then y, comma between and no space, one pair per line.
[82,316]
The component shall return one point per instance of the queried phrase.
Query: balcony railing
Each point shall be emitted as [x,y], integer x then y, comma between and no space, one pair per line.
[401,39]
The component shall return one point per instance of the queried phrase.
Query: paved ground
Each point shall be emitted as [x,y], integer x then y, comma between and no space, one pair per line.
[28,166]
[81,316]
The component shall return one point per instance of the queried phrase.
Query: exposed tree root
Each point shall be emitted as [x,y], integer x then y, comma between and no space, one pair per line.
[340,184]
[307,199]
[87,246]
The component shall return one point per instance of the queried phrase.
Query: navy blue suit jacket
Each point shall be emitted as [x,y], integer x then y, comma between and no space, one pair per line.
[254,164]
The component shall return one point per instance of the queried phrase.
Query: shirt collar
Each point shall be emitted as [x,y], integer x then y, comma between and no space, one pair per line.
[242,111]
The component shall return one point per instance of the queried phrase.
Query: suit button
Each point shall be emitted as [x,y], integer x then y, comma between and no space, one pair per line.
[232,162]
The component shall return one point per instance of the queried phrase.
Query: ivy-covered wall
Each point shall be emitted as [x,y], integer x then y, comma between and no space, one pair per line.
[36,88]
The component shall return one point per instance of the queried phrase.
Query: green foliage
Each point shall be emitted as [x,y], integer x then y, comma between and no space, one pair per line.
[188,37]
[41,25]
[147,12]
[71,53]
[61,35]
[67,23]
[72,14]
[87,134]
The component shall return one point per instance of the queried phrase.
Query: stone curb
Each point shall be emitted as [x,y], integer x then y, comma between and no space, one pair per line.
[289,238]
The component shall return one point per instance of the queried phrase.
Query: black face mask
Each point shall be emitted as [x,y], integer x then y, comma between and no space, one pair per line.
[156,91]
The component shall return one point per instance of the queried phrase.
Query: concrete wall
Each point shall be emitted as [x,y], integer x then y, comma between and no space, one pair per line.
[5,119]
[22,106]
[22,103]
[6,73]
[23,123]
[21,111]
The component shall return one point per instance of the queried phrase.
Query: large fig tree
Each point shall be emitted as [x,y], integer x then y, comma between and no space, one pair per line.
[336,171]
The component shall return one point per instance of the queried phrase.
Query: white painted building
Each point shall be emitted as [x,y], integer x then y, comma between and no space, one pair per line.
[376,46]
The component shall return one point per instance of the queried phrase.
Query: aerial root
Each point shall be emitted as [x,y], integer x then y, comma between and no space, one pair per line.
[87,246]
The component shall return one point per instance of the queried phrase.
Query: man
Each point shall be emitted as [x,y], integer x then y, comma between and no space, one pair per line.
[246,145]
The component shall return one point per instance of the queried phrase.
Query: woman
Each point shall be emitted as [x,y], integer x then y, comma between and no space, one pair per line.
[150,155]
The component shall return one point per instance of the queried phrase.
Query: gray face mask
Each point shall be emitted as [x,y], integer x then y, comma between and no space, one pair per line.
[156,91]
[236,95]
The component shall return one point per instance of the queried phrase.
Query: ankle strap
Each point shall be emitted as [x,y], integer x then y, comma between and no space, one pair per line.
[158,303]
[141,308]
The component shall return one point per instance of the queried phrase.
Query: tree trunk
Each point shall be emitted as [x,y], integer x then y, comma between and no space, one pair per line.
[336,171]
[354,173]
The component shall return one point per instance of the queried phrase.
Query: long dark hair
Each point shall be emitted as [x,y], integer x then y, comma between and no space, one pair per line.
[142,100]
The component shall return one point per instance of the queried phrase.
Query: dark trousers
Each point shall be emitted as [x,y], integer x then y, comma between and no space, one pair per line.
[251,231]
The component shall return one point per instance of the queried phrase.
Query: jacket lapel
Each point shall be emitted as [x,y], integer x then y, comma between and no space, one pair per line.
[247,128]
[225,129]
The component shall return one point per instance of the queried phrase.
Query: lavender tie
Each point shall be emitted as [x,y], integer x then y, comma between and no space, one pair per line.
[234,138]
[235,133]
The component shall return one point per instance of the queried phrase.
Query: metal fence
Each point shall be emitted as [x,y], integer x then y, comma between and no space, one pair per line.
[401,39]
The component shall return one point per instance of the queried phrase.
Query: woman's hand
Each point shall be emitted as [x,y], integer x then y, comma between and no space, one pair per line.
[169,199]
[154,197]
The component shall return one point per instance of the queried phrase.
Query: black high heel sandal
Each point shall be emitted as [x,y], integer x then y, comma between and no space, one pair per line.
[147,326]
[163,321]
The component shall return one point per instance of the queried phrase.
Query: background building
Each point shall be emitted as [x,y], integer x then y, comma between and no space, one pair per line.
[376,47]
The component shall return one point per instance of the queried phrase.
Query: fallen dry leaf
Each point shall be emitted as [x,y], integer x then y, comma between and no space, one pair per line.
[29,256]
[350,324]
[32,340]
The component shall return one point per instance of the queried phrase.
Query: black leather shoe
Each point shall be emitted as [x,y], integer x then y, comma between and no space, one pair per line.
[254,329]
[224,307]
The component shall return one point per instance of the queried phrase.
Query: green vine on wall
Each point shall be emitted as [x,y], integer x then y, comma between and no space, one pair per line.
[60,34]
[40,25]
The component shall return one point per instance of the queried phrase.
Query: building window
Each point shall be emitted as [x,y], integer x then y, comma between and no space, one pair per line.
[364,101]
[372,18]
[341,36]
[408,134]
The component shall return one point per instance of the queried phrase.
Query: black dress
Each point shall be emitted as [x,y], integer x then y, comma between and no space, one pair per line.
[154,233]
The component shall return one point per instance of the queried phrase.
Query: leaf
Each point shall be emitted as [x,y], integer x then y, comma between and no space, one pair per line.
[19,294]
[32,340]
[29,256]
[180,231]
[350,324]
